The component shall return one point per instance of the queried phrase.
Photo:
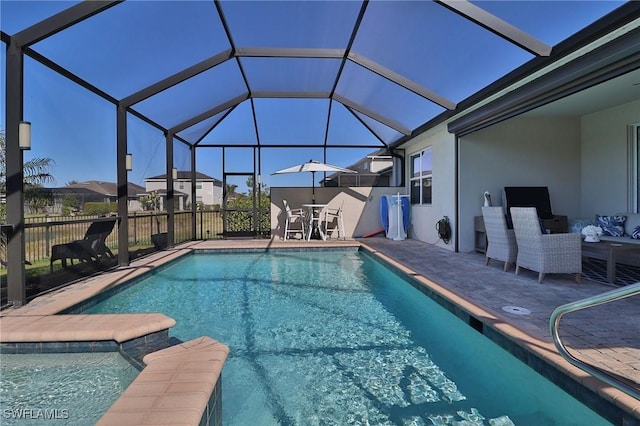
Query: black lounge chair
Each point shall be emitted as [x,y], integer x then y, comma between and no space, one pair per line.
[92,248]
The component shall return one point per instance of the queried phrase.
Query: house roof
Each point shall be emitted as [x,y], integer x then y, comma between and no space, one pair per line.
[105,188]
[75,191]
[354,74]
[186,175]
[163,192]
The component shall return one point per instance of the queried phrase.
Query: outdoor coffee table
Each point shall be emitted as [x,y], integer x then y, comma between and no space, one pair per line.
[607,251]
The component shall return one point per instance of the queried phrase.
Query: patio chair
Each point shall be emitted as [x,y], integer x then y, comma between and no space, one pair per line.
[92,248]
[333,221]
[501,240]
[294,223]
[544,253]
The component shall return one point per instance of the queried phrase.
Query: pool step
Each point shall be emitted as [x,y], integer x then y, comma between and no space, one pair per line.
[180,385]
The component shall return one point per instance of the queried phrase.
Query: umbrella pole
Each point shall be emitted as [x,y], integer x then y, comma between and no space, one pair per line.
[314,225]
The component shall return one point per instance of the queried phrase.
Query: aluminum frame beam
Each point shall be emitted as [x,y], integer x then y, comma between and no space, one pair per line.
[61,20]
[497,26]
[323,146]
[177,78]
[210,113]
[401,81]
[371,114]
[290,95]
[284,52]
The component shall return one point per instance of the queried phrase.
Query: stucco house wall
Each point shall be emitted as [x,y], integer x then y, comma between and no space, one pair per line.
[425,217]
[155,185]
[606,169]
[206,191]
[211,194]
[522,151]
[361,206]
[584,161]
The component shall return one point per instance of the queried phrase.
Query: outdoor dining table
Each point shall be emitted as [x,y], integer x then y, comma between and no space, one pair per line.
[315,217]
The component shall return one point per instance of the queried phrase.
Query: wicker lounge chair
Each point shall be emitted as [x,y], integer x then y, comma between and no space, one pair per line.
[544,253]
[501,240]
[91,248]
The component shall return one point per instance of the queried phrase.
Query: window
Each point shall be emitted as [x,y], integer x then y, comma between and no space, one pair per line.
[198,185]
[421,177]
[634,143]
[181,185]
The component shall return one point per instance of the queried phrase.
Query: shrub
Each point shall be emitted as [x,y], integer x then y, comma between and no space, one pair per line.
[98,208]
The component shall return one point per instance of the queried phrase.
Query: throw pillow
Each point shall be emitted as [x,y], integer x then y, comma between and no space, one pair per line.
[611,225]
[636,233]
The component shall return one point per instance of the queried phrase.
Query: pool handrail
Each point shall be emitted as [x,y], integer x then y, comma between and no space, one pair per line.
[560,311]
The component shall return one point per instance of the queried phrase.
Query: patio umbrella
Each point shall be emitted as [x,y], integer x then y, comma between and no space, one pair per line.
[313,167]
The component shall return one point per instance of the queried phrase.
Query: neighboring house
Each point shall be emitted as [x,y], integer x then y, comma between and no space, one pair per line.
[180,197]
[376,169]
[208,189]
[95,191]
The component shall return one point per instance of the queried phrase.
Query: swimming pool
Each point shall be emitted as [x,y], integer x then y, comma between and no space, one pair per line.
[336,338]
[64,388]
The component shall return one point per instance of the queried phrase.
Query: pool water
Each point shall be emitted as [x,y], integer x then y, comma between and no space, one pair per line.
[69,388]
[336,338]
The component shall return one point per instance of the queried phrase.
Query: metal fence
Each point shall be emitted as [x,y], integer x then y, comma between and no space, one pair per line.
[41,233]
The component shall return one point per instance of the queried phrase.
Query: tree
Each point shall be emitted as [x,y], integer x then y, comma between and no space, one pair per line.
[36,174]
[152,201]
[231,189]
[70,204]
[243,220]
[264,189]
[37,198]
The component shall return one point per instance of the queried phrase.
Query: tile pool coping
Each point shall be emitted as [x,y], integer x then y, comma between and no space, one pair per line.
[179,385]
[118,328]
[539,354]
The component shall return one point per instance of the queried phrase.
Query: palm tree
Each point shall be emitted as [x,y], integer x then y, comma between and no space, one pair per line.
[231,189]
[36,174]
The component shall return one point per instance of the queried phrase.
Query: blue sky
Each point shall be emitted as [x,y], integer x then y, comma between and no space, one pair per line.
[137,43]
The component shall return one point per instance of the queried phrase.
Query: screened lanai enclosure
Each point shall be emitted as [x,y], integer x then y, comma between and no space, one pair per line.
[156,113]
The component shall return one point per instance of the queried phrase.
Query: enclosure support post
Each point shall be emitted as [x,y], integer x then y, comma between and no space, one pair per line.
[16,291]
[170,192]
[123,179]
[194,206]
